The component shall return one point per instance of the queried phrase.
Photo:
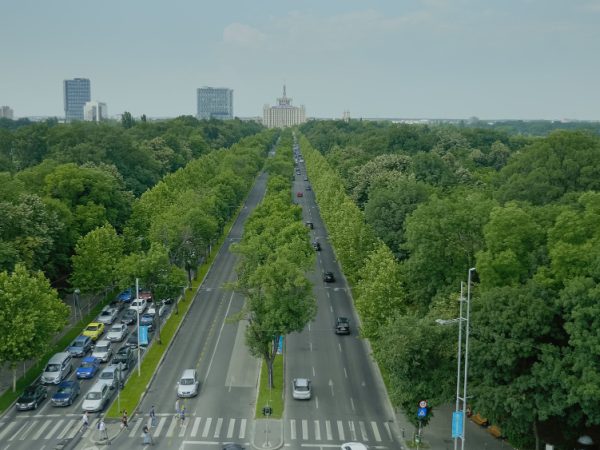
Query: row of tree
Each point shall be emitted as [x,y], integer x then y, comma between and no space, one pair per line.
[529,226]
[275,254]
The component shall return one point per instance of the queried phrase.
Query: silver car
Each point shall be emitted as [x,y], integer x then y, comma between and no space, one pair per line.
[117,332]
[302,389]
[103,350]
[108,315]
[97,397]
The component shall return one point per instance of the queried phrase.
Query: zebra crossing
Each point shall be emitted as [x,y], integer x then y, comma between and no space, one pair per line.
[219,428]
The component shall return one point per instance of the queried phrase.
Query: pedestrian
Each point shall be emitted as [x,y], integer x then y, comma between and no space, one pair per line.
[85,422]
[152,417]
[124,420]
[147,436]
[182,416]
[177,410]
[102,433]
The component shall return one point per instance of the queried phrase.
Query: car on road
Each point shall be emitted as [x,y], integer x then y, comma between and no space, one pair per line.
[132,340]
[233,447]
[301,389]
[342,325]
[147,320]
[129,317]
[187,386]
[58,368]
[117,332]
[317,246]
[94,330]
[103,350]
[162,308]
[139,305]
[88,368]
[125,296]
[124,358]
[308,188]
[310,225]
[80,346]
[305,178]
[97,397]
[353,446]
[107,316]
[328,277]
[31,397]
[146,294]
[299,194]
[66,394]
[112,376]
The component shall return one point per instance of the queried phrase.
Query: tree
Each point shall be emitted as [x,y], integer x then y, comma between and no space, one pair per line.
[30,315]
[127,120]
[95,260]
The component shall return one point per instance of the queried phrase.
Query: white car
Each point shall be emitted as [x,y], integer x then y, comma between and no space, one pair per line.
[188,384]
[103,350]
[117,332]
[353,446]
[161,309]
[97,397]
[139,304]
[108,315]
[301,389]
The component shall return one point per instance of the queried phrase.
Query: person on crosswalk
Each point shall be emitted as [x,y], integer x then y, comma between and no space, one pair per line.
[124,420]
[182,416]
[147,436]
[102,433]
[152,417]
[177,410]
[85,422]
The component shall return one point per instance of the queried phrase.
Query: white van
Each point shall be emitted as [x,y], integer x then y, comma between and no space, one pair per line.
[187,386]
[58,368]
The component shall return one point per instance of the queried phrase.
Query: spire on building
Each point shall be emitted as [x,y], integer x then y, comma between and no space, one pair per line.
[284,90]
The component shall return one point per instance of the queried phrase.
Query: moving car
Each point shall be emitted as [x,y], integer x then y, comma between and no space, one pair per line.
[126,296]
[301,389]
[299,194]
[117,332]
[308,188]
[139,304]
[342,325]
[80,346]
[97,397]
[317,246]
[132,341]
[103,350]
[124,358]
[162,308]
[31,397]
[147,320]
[129,317]
[187,386]
[94,330]
[112,376]
[88,368]
[66,394]
[309,225]
[58,368]
[353,446]
[328,277]
[233,447]
[108,315]
[146,294]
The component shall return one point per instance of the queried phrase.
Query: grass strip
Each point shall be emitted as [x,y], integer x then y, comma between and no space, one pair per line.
[271,397]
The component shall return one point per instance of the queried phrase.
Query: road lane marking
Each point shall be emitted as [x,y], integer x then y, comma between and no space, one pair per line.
[352,404]
[160,426]
[218,427]
[7,429]
[230,428]
[308,326]
[317,431]
[310,346]
[313,371]
[363,430]
[389,432]
[305,430]
[67,428]
[317,401]
[340,346]
[328,430]
[345,373]
[197,421]
[206,427]
[26,433]
[293,429]
[52,431]
[171,428]
[135,429]
[341,430]
[243,429]
[330,308]
[45,425]
[218,337]
[352,430]
[376,431]
[17,432]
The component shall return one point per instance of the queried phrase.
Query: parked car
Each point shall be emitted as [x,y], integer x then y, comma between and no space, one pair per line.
[126,296]
[147,320]
[88,368]
[66,394]
[31,397]
[139,304]
[187,386]
[112,376]
[117,332]
[299,194]
[94,330]
[102,350]
[129,317]
[107,316]
[342,325]
[328,277]
[162,308]
[124,358]
[132,341]
[317,246]
[80,346]
[146,294]
[97,397]
[301,389]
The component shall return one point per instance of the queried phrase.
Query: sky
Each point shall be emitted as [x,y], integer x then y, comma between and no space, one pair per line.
[492,59]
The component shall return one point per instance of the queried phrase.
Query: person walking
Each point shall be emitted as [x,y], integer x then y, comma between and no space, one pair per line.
[102,433]
[177,410]
[124,423]
[85,422]
[147,436]
[152,417]
[182,416]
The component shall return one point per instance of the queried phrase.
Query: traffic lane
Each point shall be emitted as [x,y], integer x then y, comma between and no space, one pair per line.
[254,197]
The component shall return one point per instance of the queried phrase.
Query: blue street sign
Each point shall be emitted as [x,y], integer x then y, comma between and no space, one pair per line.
[458,419]
[421,413]
[143,335]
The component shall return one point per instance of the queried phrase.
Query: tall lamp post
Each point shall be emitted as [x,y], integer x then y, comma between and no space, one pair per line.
[76,293]
[458,416]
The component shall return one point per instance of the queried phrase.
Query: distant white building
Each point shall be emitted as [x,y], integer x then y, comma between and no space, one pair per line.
[283,114]
[95,112]
[6,112]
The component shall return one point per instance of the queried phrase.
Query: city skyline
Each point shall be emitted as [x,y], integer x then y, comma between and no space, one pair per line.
[518,59]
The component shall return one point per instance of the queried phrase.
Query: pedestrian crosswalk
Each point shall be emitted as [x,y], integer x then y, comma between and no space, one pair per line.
[198,428]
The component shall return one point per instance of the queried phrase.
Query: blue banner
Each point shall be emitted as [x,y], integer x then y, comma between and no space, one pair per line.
[280,345]
[143,335]
[458,418]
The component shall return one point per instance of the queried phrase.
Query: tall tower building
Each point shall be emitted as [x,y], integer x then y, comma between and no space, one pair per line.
[95,112]
[6,112]
[283,114]
[215,103]
[76,93]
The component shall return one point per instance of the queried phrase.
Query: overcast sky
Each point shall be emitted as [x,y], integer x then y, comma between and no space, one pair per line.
[499,59]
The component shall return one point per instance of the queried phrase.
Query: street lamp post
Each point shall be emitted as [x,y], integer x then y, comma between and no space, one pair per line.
[76,293]
[139,351]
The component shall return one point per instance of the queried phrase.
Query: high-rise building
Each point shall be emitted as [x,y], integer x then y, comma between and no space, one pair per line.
[95,111]
[76,93]
[215,103]
[283,114]
[6,112]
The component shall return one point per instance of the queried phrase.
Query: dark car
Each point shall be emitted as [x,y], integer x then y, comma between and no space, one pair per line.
[31,397]
[66,394]
[308,188]
[132,341]
[80,346]
[317,246]
[147,320]
[299,194]
[309,225]
[125,296]
[233,447]
[129,317]
[125,357]
[328,277]
[342,325]
[305,178]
